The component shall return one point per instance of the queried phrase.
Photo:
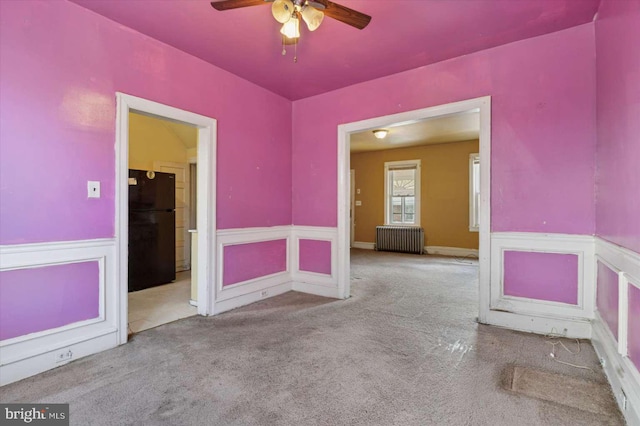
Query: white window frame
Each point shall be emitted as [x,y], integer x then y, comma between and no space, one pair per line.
[474,207]
[391,165]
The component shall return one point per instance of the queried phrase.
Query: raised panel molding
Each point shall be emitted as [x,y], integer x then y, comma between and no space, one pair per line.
[539,316]
[249,291]
[579,245]
[620,370]
[24,356]
[245,292]
[312,282]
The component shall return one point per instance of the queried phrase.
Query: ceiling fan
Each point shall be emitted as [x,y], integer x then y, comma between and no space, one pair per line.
[289,13]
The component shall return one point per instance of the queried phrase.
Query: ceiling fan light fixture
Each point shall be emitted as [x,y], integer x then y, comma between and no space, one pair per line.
[316,4]
[380,133]
[291,28]
[282,10]
[312,17]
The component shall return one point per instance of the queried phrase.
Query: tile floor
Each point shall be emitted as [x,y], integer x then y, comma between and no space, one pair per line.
[155,306]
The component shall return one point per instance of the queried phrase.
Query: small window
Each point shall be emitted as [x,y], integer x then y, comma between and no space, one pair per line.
[474,192]
[402,192]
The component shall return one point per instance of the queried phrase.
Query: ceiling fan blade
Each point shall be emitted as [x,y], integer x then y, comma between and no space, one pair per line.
[344,14]
[235,4]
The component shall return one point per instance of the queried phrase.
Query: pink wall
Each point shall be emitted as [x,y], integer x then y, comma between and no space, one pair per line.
[60,66]
[633,342]
[542,276]
[543,130]
[607,297]
[315,256]
[38,299]
[243,262]
[618,126]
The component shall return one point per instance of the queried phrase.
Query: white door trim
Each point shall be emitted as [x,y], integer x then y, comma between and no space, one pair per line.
[344,166]
[207,139]
[352,180]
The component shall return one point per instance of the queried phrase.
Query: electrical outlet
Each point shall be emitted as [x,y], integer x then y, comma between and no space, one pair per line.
[264,293]
[624,400]
[64,355]
[603,362]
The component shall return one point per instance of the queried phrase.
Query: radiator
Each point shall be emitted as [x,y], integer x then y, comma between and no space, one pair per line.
[406,239]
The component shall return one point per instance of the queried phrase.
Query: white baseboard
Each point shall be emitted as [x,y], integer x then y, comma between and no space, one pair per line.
[253,285]
[572,328]
[622,374]
[318,290]
[451,251]
[364,246]
[46,359]
[193,302]
[248,298]
[443,251]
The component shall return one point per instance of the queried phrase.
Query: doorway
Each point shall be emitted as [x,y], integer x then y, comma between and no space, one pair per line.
[205,225]
[483,106]
[160,227]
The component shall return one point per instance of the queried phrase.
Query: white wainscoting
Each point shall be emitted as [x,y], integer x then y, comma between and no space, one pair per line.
[311,282]
[246,292]
[33,353]
[541,316]
[620,370]
[25,356]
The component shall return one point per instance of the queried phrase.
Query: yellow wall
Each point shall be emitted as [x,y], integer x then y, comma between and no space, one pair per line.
[444,204]
[151,140]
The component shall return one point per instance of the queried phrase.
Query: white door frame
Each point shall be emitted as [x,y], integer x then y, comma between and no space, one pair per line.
[344,166]
[207,139]
[352,201]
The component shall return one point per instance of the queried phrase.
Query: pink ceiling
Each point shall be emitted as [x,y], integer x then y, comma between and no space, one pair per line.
[403,34]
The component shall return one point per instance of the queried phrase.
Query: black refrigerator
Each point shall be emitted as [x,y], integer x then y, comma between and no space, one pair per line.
[152,229]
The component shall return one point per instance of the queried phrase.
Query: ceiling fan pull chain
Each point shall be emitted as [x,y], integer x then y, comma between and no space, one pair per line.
[295,52]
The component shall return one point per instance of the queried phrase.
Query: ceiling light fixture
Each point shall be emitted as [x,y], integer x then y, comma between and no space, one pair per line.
[291,28]
[380,133]
[288,13]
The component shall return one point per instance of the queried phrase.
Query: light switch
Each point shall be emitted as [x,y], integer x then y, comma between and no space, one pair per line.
[358,203]
[358,191]
[93,189]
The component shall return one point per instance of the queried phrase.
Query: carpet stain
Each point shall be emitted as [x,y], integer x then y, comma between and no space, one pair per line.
[459,348]
[561,389]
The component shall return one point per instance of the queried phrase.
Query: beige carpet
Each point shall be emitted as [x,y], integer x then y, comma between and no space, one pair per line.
[404,350]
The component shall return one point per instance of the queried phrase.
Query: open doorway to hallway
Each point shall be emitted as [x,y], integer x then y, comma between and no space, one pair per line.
[162,205]
[424,187]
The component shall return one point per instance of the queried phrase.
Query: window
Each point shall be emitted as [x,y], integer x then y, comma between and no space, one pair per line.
[474,192]
[402,192]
